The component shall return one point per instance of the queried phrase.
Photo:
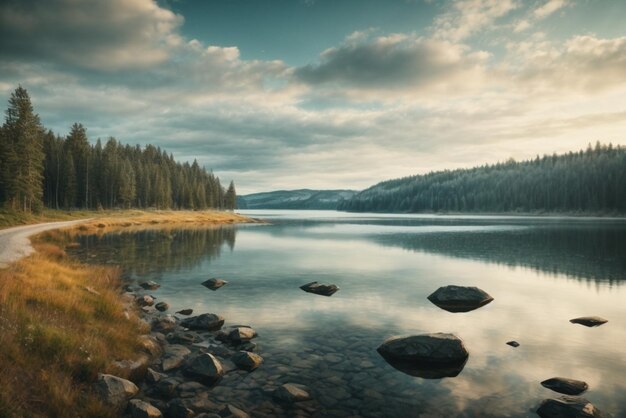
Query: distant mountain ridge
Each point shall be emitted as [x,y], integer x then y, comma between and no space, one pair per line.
[295,199]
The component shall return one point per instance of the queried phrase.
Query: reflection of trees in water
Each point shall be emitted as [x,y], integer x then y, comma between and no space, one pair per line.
[146,251]
[597,253]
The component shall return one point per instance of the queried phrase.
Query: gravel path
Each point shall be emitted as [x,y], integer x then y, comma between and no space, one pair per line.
[14,242]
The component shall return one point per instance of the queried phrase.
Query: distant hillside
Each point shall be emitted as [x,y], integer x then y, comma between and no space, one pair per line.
[294,199]
[591,181]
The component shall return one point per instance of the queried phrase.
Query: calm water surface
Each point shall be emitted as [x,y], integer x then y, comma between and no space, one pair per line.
[541,272]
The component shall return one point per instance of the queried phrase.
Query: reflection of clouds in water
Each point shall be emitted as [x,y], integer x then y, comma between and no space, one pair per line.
[383,293]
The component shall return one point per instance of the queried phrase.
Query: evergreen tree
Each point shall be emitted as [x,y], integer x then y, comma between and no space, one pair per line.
[71,173]
[22,154]
[230,198]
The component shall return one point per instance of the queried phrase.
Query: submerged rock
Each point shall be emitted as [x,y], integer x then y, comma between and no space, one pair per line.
[247,361]
[430,356]
[204,322]
[187,311]
[459,298]
[214,283]
[150,285]
[292,392]
[569,407]
[230,411]
[115,391]
[513,343]
[565,385]
[205,368]
[320,289]
[589,321]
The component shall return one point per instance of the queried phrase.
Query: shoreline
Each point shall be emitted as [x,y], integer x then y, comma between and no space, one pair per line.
[76,321]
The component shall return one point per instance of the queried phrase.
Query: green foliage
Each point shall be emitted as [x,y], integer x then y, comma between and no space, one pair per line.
[591,181]
[21,154]
[38,168]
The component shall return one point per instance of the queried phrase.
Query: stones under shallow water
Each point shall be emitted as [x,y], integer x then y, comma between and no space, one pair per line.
[565,385]
[513,343]
[320,289]
[187,311]
[291,392]
[214,283]
[569,407]
[205,368]
[430,356]
[230,411]
[459,298]
[247,361]
[204,322]
[589,321]
[150,285]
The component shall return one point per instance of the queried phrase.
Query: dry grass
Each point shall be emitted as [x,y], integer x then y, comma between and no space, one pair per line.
[123,218]
[55,335]
[134,220]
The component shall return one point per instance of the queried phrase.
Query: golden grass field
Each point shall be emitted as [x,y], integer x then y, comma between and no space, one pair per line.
[62,322]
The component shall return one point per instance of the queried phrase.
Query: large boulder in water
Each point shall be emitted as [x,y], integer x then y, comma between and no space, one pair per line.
[589,321]
[204,322]
[320,289]
[430,356]
[569,407]
[459,298]
[565,385]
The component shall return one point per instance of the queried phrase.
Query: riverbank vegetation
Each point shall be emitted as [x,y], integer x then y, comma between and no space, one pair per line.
[121,218]
[41,169]
[61,323]
[585,182]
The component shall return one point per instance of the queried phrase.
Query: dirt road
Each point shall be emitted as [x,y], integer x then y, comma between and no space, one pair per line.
[14,242]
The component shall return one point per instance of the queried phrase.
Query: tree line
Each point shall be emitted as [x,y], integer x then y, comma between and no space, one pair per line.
[41,169]
[588,181]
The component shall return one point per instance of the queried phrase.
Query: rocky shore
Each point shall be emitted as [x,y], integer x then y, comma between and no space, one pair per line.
[186,359]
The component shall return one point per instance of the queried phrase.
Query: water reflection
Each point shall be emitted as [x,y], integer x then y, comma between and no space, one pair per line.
[329,344]
[154,250]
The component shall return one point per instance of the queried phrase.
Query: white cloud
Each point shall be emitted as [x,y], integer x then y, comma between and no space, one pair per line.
[467,17]
[549,7]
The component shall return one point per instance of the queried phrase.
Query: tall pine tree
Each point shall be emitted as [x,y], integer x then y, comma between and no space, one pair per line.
[22,154]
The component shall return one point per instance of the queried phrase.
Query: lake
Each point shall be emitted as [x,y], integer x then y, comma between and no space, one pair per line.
[541,271]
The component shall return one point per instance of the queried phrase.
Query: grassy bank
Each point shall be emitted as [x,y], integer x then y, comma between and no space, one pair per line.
[63,322]
[119,218]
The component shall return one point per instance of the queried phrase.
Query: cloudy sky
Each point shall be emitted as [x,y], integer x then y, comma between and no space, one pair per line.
[285,94]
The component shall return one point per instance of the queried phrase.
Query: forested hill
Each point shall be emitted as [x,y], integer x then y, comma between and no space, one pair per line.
[294,199]
[590,181]
[39,168]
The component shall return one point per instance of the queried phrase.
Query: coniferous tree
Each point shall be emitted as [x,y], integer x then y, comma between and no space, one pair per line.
[71,173]
[22,154]
[230,198]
